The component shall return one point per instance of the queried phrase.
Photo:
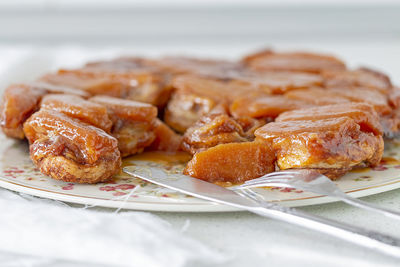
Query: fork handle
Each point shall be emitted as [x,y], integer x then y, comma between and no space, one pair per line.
[367,206]
[357,235]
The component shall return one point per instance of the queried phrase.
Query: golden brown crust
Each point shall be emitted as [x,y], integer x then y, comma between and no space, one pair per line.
[70,150]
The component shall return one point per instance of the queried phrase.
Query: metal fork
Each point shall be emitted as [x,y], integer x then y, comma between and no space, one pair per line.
[313,181]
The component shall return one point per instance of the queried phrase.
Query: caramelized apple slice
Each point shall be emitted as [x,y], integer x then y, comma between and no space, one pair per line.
[165,138]
[317,96]
[365,95]
[293,61]
[79,108]
[264,106]
[196,96]
[59,89]
[19,101]
[122,78]
[332,146]
[233,163]
[70,150]
[277,82]
[211,130]
[187,65]
[133,123]
[363,114]
[362,77]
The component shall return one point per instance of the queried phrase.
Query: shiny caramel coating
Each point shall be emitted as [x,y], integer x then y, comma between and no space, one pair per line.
[133,123]
[70,150]
[326,145]
[363,114]
[233,162]
[269,60]
[362,77]
[79,108]
[165,138]
[264,106]
[276,82]
[122,78]
[196,96]
[211,130]
[19,101]
[317,96]
[189,65]
[367,95]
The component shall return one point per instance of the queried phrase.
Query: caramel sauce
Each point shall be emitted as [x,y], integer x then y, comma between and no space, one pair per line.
[166,158]
[360,170]
[390,161]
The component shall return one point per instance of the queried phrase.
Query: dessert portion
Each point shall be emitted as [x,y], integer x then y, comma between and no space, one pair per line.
[70,150]
[336,139]
[238,120]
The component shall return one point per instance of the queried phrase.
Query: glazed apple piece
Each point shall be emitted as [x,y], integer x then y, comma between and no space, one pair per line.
[276,82]
[264,106]
[165,138]
[188,65]
[133,123]
[79,108]
[122,78]
[70,150]
[394,97]
[363,114]
[59,89]
[19,101]
[371,96]
[232,163]
[332,146]
[196,96]
[268,60]
[362,77]
[215,128]
[392,121]
[317,96]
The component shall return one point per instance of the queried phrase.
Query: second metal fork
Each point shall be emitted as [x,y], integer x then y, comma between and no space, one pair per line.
[313,181]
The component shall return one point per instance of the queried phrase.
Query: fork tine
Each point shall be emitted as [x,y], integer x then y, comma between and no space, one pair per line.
[272,178]
[267,183]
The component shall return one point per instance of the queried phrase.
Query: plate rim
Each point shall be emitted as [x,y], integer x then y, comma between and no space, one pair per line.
[182,206]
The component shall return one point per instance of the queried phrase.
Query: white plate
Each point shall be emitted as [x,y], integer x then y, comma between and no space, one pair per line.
[19,174]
